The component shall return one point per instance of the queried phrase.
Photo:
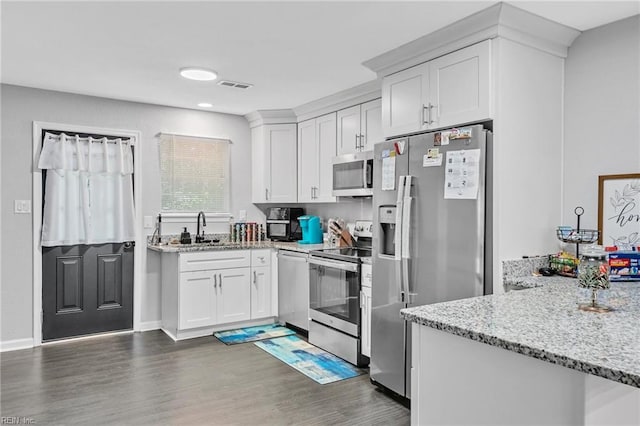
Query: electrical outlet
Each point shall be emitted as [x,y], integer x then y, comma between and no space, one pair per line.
[243,215]
[22,206]
[148,222]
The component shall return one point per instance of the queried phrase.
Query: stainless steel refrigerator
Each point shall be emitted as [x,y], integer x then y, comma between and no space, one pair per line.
[431,236]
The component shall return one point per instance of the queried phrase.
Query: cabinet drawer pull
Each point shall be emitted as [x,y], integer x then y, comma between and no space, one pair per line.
[255,279]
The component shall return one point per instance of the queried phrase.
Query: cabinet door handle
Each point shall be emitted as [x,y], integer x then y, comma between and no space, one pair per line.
[431,107]
[215,280]
[361,142]
[424,109]
[220,281]
[357,139]
[311,188]
[266,194]
[255,279]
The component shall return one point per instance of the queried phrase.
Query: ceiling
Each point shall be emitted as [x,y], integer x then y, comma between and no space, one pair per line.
[292,52]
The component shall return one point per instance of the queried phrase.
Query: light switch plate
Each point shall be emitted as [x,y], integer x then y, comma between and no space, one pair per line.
[22,206]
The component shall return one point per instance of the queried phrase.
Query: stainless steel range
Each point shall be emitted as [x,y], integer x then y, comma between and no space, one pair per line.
[334,296]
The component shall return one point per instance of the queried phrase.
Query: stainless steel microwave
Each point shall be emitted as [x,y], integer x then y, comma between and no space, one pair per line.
[353,175]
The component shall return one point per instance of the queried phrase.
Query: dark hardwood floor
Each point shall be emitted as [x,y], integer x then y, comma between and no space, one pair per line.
[146,378]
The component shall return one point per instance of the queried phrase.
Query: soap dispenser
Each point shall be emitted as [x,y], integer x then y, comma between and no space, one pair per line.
[185,237]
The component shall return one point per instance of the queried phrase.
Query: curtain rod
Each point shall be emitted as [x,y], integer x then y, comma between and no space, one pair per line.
[86,135]
[193,136]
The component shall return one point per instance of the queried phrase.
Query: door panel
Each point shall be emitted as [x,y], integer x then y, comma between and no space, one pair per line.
[460,86]
[326,136]
[197,304]
[404,96]
[371,124]
[442,226]
[388,330]
[308,160]
[234,295]
[261,292]
[69,284]
[109,281]
[348,129]
[86,289]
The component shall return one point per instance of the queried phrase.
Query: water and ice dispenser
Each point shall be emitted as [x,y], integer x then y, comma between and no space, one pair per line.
[387,220]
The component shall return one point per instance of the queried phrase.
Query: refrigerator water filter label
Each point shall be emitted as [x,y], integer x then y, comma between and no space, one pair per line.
[432,158]
[388,170]
[462,175]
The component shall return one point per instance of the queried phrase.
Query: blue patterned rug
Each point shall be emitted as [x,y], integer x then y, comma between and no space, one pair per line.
[251,334]
[313,362]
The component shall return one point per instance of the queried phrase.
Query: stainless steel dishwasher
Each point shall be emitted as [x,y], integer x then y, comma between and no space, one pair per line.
[293,288]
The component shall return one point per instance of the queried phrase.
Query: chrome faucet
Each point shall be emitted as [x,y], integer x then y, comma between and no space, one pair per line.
[200,237]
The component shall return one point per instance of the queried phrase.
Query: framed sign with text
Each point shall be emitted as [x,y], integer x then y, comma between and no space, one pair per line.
[619,210]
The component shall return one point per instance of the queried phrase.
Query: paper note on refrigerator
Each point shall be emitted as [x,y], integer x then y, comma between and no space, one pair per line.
[462,174]
[388,170]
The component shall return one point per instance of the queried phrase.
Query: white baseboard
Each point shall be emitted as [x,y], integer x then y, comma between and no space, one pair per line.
[17,344]
[150,325]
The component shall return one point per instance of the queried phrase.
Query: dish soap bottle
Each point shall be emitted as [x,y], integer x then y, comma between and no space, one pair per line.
[185,237]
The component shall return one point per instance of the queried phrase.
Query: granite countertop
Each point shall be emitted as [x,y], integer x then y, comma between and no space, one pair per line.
[544,322]
[187,248]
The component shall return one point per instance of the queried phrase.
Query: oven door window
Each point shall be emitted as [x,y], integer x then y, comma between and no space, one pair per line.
[277,229]
[335,292]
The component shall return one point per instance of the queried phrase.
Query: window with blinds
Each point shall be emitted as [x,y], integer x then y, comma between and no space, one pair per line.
[194,174]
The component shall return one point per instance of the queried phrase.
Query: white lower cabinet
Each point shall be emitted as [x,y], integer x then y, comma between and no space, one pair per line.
[197,297]
[365,336]
[365,310]
[261,292]
[233,295]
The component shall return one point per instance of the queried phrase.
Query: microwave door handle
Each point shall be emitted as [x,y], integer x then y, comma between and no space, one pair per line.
[398,239]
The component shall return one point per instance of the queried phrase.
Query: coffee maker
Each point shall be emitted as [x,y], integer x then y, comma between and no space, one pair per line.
[311,229]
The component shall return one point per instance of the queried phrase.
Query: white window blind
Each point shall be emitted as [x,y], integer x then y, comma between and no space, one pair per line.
[194,174]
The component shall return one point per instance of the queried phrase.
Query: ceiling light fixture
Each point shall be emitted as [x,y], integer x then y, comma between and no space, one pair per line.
[200,74]
[205,105]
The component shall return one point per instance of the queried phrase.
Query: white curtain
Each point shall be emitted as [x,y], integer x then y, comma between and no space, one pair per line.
[88,195]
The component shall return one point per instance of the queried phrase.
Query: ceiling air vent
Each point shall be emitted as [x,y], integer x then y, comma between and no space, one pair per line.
[235,84]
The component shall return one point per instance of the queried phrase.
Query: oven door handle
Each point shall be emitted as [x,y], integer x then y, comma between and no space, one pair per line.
[343,266]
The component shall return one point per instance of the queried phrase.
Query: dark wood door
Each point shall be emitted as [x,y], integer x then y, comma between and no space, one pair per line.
[86,289]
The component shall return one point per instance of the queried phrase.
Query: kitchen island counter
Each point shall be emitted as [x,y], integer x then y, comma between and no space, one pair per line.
[504,357]
[544,323]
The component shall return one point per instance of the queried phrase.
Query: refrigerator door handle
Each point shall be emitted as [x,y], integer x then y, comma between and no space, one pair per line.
[398,239]
[406,237]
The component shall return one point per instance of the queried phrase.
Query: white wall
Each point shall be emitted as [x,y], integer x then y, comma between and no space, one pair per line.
[602,114]
[21,106]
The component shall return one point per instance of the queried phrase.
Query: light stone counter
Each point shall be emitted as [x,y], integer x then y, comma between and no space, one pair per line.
[543,322]
[187,248]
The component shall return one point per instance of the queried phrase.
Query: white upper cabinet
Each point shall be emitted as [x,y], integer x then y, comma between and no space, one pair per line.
[359,127]
[348,130]
[370,124]
[447,91]
[459,85]
[274,163]
[308,160]
[404,100]
[316,149]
